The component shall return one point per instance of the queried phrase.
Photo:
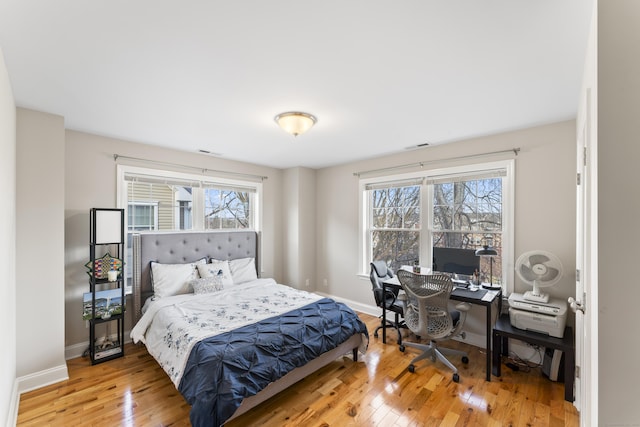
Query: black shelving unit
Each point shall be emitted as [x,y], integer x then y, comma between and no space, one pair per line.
[106,227]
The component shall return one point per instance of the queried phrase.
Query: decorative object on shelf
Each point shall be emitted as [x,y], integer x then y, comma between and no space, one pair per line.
[112,275]
[102,266]
[104,304]
[295,122]
[488,251]
[108,303]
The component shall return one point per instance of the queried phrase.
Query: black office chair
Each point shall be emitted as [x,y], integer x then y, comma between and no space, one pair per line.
[379,273]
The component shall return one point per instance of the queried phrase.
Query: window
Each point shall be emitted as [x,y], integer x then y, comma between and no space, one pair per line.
[462,208]
[226,208]
[142,216]
[168,201]
[394,223]
[467,214]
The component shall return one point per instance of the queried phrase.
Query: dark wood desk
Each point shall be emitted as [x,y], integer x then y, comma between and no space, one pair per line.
[503,331]
[462,295]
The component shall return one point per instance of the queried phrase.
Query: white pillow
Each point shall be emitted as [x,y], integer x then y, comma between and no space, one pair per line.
[216,268]
[173,279]
[207,285]
[243,270]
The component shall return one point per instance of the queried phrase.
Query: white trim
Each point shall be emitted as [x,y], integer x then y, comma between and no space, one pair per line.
[41,379]
[372,310]
[14,404]
[197,216]
[76,350]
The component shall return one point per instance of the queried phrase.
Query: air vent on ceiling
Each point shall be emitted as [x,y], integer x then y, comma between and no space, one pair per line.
[209,153]
[414,147]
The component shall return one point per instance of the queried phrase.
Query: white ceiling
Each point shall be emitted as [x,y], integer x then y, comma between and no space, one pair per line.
[380,75]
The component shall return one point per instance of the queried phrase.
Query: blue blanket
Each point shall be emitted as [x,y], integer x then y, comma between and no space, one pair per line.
[224,369]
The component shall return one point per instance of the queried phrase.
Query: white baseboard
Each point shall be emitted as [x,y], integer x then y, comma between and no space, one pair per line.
[43,378]
[12,414]
[372,310]
[76,350]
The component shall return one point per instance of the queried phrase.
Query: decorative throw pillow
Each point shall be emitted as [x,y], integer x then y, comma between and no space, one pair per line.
[173,279]
[216,268]
[243,270]
[207,285]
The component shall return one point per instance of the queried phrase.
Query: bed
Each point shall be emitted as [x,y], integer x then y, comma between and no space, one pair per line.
[229,345]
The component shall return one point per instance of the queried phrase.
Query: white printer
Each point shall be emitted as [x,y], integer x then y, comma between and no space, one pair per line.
[548,317]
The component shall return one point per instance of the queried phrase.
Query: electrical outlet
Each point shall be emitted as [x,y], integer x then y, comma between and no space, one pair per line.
[325,282]
[306,283]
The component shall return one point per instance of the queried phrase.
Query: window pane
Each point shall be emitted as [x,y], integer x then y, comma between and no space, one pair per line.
[395,224]
[396,247]
[185,216]
[468,205]
[167,202]
[395,208]
[226,209]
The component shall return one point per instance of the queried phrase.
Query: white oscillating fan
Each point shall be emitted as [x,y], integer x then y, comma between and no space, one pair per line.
[539,269]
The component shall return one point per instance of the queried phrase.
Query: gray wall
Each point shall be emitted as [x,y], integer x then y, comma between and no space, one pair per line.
[7,247]
[618,211]
[40,243]
[299,212]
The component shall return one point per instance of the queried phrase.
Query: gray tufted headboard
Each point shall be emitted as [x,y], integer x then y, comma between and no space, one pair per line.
[184,247]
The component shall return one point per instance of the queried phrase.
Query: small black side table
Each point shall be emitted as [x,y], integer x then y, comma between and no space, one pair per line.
[503,330]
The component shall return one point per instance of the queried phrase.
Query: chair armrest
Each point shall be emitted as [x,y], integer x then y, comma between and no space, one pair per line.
[391,295]
[463,306]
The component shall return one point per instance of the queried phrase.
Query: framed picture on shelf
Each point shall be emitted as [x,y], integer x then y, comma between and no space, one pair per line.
[108,303]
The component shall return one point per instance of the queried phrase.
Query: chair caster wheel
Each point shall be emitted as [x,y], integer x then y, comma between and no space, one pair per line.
[456,378]
[465,359]
[375,334]
[401,348]
[411,368]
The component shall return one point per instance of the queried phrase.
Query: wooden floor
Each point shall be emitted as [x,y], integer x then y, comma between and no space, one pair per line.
[375,391]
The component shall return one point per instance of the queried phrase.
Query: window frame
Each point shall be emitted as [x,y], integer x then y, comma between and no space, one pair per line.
[426,211]
[197,207]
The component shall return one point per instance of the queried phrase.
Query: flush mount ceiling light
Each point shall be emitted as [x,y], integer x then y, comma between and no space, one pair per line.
[295,122]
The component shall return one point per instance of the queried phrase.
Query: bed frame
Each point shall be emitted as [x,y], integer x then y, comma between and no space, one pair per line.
[183,247]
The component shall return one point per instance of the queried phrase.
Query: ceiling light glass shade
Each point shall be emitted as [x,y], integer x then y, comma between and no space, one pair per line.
[295,122]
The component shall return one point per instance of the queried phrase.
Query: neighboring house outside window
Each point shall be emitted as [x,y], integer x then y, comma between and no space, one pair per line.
[142,216]
[406,216]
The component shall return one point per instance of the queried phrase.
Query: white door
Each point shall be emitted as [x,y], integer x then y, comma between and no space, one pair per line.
[585,277]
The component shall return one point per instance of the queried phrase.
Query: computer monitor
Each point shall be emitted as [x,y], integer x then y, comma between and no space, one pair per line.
[454,260]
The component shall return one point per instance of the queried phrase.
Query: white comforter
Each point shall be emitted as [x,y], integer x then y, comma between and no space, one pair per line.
[171,326]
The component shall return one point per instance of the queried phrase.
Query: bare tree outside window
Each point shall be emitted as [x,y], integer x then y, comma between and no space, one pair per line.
[227,209]
[395,225]
[466,215]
